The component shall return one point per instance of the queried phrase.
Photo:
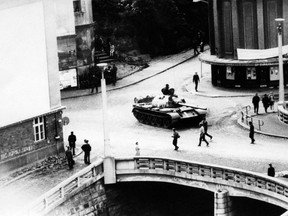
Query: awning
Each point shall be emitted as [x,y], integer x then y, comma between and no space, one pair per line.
[254,54]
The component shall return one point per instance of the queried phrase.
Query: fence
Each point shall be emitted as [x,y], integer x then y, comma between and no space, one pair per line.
[246,118]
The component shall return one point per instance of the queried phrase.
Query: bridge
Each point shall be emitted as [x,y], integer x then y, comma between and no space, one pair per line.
[224,182]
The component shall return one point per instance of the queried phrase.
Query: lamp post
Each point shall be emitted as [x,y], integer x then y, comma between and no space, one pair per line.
[109,162]
[279,22]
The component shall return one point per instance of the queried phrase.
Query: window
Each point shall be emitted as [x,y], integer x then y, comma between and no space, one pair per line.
[39,128]
[251,73]
[230,74]
[77,6]
[274,75]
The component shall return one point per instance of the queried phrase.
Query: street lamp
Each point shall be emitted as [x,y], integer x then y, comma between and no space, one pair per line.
[109,161]
[280,59]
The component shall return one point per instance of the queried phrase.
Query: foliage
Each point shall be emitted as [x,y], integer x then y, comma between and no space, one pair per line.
[157,26]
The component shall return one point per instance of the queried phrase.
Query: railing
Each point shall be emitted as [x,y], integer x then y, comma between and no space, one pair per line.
[246,118]
[236,178]
[283,113]
[58,194]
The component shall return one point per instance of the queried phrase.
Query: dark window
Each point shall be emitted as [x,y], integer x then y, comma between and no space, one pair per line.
[77,6]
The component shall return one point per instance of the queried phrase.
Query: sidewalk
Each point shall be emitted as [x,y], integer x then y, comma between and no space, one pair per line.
[272,126]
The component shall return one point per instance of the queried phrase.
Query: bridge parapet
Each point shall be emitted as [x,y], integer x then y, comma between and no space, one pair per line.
[206,176]
[66,189]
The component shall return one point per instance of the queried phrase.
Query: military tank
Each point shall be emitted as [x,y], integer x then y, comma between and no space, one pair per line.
[166,110]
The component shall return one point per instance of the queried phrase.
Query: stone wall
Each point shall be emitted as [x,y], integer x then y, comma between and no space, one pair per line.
[17,145]
[90,201]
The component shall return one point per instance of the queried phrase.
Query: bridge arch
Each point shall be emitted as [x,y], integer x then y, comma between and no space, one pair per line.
[225,182]
[214,178]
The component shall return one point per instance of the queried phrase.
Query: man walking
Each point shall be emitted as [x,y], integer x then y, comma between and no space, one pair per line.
[271,171]
[202,135]
[251,132]
[205,125]
[255,101]
[86,148]
[196,80]
[175,138]
[72,142]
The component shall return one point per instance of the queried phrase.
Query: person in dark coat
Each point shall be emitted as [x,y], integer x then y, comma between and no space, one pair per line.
[251,132]
[265,101]
[271,171]
[86,148]
[114,74]
[166,90]
[255,101]
[195,46]
[196,80]
[72,142]
[175,137]
[93,78]
[69,157]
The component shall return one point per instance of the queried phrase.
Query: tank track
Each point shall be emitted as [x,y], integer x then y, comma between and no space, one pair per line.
[159,120]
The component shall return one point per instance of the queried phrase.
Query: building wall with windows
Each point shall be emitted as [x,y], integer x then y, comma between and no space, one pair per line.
[30,112]
[245,24]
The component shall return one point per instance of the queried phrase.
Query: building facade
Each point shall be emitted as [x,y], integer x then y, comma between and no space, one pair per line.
[75,38]
[31,111]
[243,26]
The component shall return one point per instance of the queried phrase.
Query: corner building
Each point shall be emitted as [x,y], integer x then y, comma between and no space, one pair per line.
[246,26]
[30,111]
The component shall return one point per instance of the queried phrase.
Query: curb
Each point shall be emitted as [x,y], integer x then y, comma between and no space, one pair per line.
[260,132]
[133,83]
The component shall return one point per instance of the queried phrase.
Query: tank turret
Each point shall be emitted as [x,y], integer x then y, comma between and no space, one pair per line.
[166,110]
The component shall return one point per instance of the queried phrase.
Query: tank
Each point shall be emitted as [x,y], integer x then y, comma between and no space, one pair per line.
[166,111]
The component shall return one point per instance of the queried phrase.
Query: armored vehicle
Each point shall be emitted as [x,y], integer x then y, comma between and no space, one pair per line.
[166,110]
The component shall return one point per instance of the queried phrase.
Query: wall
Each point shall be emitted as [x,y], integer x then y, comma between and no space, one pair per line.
[90,201]
[17,146]
[23,63]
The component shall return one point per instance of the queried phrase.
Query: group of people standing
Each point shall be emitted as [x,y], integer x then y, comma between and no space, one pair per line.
[268,100]
[203,132]
[70,152]
[110,75]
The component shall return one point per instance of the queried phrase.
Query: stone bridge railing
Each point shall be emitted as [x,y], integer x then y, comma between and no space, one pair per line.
[66,189]
[283,112]
[206,176]
[218,179]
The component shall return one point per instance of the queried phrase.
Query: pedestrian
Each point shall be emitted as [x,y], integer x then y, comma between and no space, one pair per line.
[72,142]
[251,132]
[175,136]
[112,50]
[195,46]
[69,158]
[201,41]
[205,125]
[271,100]
[196,80]
[93,78]
[137,149]
[255,101]
[265,101]
[271,171]
[86,148]
[114,74]
[202,135]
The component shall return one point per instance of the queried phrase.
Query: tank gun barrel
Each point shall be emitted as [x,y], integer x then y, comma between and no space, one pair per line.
[195,107]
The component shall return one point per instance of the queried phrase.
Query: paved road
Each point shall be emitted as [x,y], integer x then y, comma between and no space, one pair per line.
[230,145]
